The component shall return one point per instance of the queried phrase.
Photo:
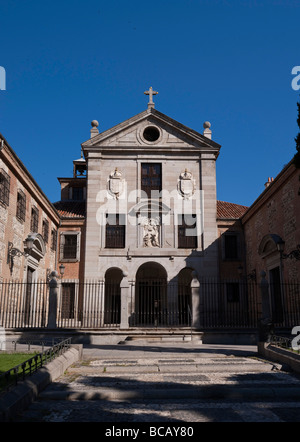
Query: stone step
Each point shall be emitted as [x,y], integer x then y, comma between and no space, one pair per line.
[204,365]
[218,378]
[211,392]
[147,337]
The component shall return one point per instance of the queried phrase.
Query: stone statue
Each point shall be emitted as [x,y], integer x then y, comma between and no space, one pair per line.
[151,232]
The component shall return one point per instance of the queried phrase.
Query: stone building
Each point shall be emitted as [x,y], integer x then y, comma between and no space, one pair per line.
[272,238]
[141,210]
[25,213]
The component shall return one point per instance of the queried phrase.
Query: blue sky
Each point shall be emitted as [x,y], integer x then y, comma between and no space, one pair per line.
[68,62]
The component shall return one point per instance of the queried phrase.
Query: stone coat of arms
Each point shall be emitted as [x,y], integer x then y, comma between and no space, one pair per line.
[116,183]
[186,184]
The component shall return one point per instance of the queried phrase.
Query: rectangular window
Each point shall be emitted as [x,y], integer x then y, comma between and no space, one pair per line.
[53,239]
[21,205]
[70,247]
[187,232]
[45,232]
[151,179]
[115,231]
[231,246]
[77,193]
[34,225]
[4,187]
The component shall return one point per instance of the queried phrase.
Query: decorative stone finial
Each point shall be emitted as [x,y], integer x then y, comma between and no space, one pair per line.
[94,130]
[207,131]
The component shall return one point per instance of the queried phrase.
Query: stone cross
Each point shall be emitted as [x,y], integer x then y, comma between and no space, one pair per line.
[150,92]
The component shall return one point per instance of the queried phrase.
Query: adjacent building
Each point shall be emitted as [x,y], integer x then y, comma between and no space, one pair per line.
[25,212]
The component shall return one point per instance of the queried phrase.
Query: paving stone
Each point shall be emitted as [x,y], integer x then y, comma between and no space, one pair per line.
[131,387]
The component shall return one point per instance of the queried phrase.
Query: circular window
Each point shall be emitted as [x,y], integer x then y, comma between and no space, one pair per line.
[151,133]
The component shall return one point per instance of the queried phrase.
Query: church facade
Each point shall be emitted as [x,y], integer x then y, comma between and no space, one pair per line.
[141,212]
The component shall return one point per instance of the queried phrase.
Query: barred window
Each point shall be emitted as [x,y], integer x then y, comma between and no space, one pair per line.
[53,239]
[70,246]
[68,300]
[115,231]
[34,226]
[187,232]
[21,205]
[4,187]
[45,232]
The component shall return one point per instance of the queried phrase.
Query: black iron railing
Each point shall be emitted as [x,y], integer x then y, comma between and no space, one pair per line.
[19,372]
[97,304]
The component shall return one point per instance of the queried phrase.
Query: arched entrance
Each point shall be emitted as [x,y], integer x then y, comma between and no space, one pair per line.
[151,302]
[36,254]
[268,250]
[112,296]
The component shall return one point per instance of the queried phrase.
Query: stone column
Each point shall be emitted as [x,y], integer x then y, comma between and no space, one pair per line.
[124,288]
[195,293]
[53,295]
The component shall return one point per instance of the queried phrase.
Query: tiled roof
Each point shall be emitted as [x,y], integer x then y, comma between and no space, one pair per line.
[71,209]
[230,210]
[76,209]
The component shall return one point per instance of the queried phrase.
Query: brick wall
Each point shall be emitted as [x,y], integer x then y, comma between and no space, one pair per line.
[15,230]
[276,211]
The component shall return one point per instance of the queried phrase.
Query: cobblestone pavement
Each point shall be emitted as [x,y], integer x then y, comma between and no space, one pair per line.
[170,383]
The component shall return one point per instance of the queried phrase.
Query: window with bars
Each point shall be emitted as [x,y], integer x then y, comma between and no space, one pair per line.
[187,232]
[34,225]
[4,187]
[68,300]
[53,239]
[70,246]
[115,231]
[151,179]
[21,205]
[45,232]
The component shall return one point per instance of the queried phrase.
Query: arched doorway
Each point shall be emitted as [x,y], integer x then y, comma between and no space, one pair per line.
[185,296]
[268,250]
[151,303]
[112,296]
[36,254]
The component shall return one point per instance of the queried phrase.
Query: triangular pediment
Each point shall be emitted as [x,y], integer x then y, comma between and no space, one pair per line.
[151,129]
